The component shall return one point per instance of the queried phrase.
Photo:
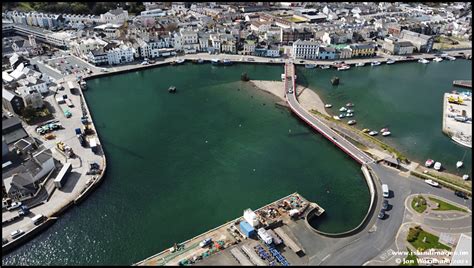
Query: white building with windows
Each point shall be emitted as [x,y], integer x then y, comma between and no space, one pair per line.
[120,54]
[305,49]
[114,16]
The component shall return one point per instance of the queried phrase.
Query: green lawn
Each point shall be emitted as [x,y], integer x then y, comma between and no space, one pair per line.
[446,206]
[410,260]
[421,204]
[431,242]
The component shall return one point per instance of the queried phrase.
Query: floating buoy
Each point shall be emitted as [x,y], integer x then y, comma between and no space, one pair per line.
[206,141]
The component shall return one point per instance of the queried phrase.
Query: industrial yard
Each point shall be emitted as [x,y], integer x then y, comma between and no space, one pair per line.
[259,238]
[457,117]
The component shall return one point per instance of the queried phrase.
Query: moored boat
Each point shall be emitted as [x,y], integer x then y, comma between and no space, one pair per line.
[342,115]
[215,61]
[459,164]
[324,67]
[365,130]
[386,133]
[349,104]
[384,129]
[336,117]
[438,59]
[344,67]
[227,62]
[429,162]
[390,61]
[350,111]
[349,114]
[328,105]
[450,57]
[342,109]
[360,64]
[373,133]
[375,63]
[437,166]
[424,61]
[465,177]
[351,122]
[310,66]
[179,61]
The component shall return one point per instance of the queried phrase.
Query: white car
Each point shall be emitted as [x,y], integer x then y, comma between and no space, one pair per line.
[16,233]
[9,114]
[432,183]
[14,205]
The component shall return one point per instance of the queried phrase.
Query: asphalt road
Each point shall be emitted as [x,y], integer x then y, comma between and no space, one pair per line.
[370,245]
[336,138]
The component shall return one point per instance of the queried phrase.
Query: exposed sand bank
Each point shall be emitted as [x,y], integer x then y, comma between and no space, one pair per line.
[307,97]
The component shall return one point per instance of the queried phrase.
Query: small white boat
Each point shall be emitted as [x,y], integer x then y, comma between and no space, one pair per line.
[375,63]
[328,105]
[384,129]
[438,59]
[324,67]
[386,133]
[349,114]
[350,111]
[215,61]
[390,61]
[349,104]
[360,64]
[437,166]
[336,117]
[429,163]
[465,177]
[373,133]
[459,164]
[432,183]
[179,61]
[365,130]
[345,67]
[342,115]
[450,57]
[310,66]
[342,109]
[424,61]
[351,122]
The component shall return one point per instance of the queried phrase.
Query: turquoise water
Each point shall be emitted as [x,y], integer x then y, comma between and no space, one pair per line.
[181,164]
[407,98]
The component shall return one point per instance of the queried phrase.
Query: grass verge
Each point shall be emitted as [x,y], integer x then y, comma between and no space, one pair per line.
[444,206]
[419,204]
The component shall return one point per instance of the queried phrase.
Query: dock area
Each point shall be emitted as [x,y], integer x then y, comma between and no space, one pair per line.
[257,240]
[463,83]
[457,117]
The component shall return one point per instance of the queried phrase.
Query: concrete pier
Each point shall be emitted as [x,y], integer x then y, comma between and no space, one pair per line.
[460,132]
[270,216]
[463,83]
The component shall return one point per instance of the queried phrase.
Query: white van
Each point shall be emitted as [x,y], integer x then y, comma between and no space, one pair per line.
[37,219]
[385,190]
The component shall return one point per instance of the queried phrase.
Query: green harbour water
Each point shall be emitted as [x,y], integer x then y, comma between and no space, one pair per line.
[181,164]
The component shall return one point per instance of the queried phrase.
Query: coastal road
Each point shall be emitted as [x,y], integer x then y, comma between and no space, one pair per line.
[371,244]
[321,127]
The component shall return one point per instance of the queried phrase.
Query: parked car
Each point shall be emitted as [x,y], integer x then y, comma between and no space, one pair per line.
[14,205]
[432,183]
[16,233]
[381,214]
[385,204]
[460,194]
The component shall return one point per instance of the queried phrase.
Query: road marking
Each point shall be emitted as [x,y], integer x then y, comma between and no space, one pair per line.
[325,257]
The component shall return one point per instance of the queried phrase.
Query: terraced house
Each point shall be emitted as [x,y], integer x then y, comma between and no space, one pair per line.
[362,50]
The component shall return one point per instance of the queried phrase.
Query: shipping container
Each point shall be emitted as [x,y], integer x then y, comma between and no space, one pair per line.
[246,229]
[78,131]
[262,233]
[93,145]
[62,175]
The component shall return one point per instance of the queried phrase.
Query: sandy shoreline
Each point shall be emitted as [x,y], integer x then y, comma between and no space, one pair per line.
[307,97]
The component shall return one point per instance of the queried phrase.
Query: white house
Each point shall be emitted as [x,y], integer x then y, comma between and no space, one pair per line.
[114,16]
[305,49]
